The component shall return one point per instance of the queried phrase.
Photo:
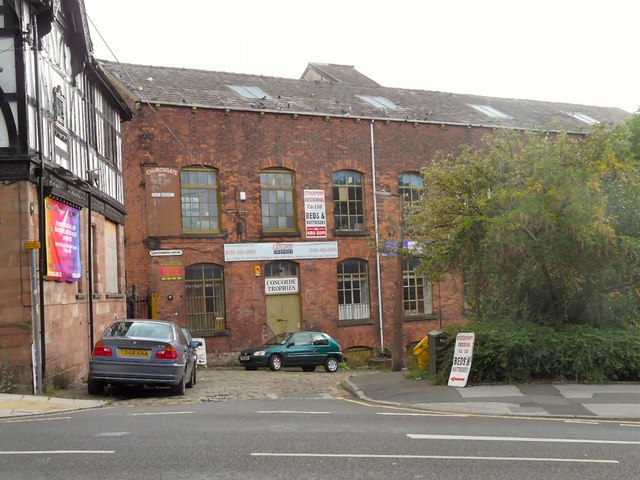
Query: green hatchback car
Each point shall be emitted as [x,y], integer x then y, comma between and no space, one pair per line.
[298,349]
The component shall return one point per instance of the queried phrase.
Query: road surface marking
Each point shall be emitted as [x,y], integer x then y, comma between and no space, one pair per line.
[630,425]
[157,413]
[36,419]
[423,414]
[294,412]
[54,452]
[434,457]
[420,436]
[586,422]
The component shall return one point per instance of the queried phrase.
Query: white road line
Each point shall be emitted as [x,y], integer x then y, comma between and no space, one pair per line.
[297,412]
[630,425]
[435,457]
[422,414]
[157,413]
[36,419]
[54,452]
[420,436]
[586,422]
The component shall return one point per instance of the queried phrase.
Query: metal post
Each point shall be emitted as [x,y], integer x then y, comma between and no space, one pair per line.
[35,316]
[398,318]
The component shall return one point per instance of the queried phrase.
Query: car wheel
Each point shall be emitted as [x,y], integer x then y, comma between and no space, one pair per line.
[179,388]
[251,369]
[309,368]
[275,363]
[192,379]
[331,365]
[94,387]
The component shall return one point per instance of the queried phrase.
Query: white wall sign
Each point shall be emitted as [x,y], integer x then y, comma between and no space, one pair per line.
[314,214]
[165,253]
[462,357]
[280,285]
[242,252]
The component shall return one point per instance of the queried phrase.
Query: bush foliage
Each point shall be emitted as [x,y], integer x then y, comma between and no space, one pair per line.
[519,352]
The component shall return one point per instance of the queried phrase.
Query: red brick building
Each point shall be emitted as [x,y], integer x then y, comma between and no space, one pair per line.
[255,204]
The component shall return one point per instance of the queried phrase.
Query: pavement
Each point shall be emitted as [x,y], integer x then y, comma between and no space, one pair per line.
[619,401]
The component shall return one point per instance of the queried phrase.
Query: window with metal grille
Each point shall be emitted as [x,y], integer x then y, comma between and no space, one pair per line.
[348,201]
[417,290]
[410,185]
[204,298]
[353,290]
[278,200]
[199,196]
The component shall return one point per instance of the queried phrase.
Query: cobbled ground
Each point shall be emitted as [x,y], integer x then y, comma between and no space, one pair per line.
[224,384]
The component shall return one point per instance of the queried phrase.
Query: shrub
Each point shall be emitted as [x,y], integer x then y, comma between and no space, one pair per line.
[512,352]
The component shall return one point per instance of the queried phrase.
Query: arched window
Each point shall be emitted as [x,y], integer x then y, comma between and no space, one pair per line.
[353,290]
[410,185]
[277,188]
[199,195]
[204,298]
[417,290]
[348,201]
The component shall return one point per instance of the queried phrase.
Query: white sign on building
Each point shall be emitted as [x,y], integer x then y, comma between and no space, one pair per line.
[280,285]
[244,252]
[314,214]
[462,357]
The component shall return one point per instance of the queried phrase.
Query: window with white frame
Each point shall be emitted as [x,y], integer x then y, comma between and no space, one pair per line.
[348,201]
[277,190]
[410,185]
[353,290]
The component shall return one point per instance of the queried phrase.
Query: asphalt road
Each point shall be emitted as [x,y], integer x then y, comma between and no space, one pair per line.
[305,431]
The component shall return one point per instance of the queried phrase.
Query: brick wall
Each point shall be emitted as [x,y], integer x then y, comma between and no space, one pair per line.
[239,145]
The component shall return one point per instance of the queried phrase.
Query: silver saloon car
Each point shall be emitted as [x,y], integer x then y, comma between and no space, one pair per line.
[142,352]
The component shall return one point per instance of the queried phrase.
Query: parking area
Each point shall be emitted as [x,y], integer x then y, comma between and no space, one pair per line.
[223,384]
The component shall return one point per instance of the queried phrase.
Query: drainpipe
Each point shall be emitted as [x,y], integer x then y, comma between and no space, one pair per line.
[375,228]
[87,112]
[41,206]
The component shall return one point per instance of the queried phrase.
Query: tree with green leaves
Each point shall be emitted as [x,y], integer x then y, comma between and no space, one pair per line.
[634,129]
[543,227]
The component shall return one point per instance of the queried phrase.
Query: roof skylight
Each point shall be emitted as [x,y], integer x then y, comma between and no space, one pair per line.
[583,118]
[490,111]
[379,102]
[249,92]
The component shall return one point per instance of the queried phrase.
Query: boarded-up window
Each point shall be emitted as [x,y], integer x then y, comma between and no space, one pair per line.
[111,256]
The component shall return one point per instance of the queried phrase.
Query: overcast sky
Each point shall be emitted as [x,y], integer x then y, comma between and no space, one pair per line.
[575,51]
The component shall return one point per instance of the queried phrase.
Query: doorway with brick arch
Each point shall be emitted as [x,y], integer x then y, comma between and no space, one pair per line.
[282,297]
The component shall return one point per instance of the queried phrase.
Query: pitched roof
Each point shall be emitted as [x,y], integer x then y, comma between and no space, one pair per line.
[344,92]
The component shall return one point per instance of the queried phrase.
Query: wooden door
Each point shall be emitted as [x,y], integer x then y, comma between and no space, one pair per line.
[283,313]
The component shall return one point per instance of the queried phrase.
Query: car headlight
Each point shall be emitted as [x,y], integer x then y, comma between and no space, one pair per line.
[259,353]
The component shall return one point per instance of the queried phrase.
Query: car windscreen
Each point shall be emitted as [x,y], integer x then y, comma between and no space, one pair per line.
[160,331]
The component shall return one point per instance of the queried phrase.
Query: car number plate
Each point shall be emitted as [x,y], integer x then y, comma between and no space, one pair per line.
[134,352]
[244,358]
